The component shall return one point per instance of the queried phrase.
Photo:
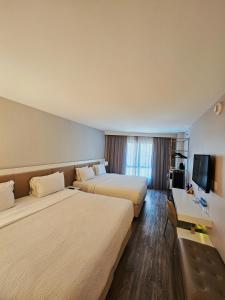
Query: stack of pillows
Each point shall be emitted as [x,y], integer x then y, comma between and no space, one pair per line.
[86,173]
[45,185]
[39,187]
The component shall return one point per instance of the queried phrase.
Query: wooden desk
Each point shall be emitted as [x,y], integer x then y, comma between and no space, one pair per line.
[188,210]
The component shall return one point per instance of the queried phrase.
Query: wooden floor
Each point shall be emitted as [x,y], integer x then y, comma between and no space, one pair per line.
[145,270]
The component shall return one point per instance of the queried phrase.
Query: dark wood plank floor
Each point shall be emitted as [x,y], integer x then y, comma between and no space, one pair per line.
[146,270]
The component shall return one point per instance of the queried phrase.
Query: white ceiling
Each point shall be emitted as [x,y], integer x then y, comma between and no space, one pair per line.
[140,66]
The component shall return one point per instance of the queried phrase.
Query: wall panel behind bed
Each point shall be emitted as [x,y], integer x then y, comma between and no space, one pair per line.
[32,137]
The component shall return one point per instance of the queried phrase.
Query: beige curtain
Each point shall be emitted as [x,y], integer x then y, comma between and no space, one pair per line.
[160,162]
[115,153]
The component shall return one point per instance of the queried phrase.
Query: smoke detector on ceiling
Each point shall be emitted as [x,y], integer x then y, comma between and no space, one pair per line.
[218,108]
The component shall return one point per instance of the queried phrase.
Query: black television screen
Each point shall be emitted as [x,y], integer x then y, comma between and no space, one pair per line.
[202,171]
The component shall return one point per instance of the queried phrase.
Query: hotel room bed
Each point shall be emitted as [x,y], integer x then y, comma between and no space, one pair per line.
[133,188]
[62,246]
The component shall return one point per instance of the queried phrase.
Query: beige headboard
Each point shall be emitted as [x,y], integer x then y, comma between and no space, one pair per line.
[22,187]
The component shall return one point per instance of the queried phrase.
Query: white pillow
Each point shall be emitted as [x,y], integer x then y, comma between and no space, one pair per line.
[84,173]
[44,185]
[78,172]
[99,169]
[7,198]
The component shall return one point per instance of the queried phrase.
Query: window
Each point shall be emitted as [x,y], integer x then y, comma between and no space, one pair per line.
[139,156]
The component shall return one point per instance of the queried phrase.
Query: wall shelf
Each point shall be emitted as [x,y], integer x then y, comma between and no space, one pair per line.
[179,145]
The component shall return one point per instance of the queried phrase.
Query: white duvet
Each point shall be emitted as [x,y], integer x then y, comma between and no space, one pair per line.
[129,187]
[61,246]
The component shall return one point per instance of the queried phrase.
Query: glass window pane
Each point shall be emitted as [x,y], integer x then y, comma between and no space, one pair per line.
[138,160]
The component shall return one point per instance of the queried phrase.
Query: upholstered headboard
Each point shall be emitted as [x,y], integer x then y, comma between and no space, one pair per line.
[22,186]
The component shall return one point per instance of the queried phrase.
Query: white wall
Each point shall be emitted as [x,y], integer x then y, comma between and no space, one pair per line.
[207,136]
[31,137]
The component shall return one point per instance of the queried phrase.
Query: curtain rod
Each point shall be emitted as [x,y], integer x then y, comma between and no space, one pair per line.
[172,135]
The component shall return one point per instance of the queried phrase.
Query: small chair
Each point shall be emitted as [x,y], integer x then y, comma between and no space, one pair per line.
[172,217]
[201,238]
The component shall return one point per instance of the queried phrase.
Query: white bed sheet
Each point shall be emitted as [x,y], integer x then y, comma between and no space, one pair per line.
[65,250]
[30,204]
[115,185]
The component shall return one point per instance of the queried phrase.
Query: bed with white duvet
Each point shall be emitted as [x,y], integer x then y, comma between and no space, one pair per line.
[61,246]
[133,188]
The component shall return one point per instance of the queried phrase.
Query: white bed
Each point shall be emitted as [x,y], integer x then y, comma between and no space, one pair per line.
[133,188]
[62,246]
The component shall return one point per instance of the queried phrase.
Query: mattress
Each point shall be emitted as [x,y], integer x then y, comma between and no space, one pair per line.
[62,246]
[115,185]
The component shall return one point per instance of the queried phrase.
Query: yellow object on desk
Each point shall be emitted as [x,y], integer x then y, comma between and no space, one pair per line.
[190,191]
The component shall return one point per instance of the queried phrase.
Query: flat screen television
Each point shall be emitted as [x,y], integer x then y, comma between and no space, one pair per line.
[202,171]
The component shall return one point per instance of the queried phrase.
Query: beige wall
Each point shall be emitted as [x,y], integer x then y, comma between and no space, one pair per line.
[32,137]
[207,136]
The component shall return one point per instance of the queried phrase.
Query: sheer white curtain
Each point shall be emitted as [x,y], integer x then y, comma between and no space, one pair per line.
[139,156]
